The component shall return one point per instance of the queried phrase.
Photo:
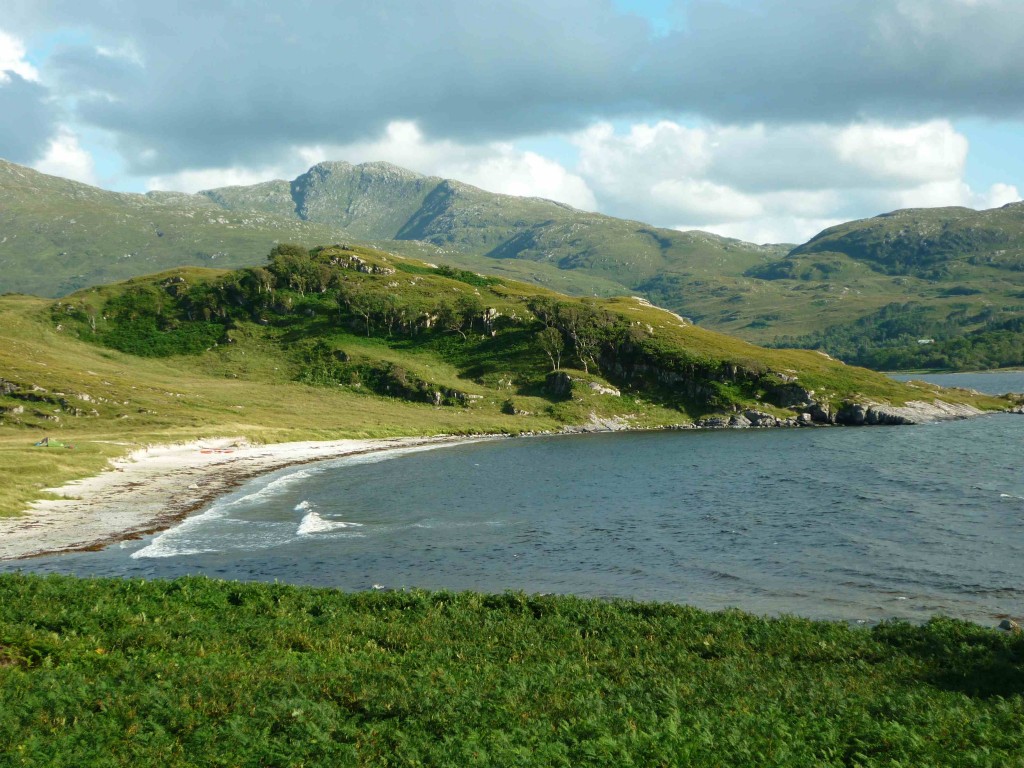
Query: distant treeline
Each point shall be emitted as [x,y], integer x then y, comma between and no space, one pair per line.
[907,336]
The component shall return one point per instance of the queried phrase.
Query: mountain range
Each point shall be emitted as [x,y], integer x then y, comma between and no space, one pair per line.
[945,275]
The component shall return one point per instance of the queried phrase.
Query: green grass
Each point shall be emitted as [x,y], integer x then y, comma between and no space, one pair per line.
[199,672]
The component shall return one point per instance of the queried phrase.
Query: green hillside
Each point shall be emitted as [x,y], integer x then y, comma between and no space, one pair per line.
[961,277]
[57,236]
[347,341]
[382,202]
[960,272]
[933,243]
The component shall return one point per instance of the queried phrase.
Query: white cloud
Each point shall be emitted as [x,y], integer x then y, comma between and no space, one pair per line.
[12,59]
[998,195]
[665,148]
[66,157]
[954,192]
[528,174]
[769,230]
[127,51]
[705,199]
[931,151]
[210,178]
[776,183]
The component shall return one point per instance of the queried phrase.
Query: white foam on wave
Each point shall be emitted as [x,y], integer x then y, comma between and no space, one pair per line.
[313,523]
[170,543]
[176,541]
[1010,496]
[273,488]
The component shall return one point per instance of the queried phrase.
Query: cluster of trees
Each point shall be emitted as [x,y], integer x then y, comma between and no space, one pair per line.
[972,352]
[903,336]
[576,326]
[305,292]
[324,365]
[179,318]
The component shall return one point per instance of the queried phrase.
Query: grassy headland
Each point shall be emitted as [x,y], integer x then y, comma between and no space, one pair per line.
[352,342]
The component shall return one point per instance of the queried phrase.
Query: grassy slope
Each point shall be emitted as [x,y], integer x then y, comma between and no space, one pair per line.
[144,400]
[196,672]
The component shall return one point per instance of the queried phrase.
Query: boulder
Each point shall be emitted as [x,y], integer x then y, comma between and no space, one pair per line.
[791,395]
[852,414]
[821,413]
[714,422]
[885,414]
[601,389]
[559,384]
[760,419]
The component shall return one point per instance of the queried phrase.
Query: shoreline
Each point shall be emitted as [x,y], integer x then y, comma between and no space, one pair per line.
[153,488]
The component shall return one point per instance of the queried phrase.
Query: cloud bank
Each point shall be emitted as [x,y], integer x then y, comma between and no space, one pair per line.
[772,116]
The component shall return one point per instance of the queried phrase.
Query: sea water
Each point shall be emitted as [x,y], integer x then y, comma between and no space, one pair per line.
[857,524]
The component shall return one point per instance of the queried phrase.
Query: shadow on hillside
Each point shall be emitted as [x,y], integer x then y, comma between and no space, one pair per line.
[962,657]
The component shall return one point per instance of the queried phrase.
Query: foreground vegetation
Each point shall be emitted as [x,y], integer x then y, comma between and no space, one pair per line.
[200,672]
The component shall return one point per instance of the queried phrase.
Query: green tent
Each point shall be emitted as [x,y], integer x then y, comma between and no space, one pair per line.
[49,442]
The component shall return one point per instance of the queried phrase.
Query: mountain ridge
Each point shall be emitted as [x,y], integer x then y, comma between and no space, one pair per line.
[960,271]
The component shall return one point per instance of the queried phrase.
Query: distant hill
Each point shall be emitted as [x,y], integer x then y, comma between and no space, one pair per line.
[955,276]
[932,243]
[57,236]
[380,201]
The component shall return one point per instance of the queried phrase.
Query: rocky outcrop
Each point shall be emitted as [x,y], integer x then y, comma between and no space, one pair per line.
[600,424]
[560,384]
[913,412]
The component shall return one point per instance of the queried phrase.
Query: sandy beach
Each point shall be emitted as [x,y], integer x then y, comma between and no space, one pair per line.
[153,488]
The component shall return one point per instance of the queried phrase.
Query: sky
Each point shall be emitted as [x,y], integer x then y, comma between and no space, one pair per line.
[767,120]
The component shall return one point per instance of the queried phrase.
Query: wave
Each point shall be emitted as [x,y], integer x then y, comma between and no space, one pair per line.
[313,523]
[160,549]
[273,488]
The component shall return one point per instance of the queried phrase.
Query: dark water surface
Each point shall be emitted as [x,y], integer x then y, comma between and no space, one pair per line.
[859,524]
[990,382]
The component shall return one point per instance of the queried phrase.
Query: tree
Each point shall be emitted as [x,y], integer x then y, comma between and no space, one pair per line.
[459,318]
[546,310]
[553,344]
[580,323]
[357,300]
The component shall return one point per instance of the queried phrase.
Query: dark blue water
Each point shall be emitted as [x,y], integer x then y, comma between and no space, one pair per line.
[990,382]
[859,524]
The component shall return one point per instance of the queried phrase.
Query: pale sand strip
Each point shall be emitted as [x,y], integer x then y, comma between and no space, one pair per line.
[153,488]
